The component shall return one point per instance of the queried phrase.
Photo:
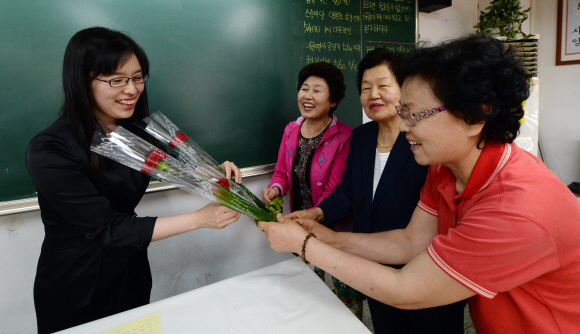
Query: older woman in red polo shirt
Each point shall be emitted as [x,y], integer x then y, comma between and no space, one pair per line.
[493,224]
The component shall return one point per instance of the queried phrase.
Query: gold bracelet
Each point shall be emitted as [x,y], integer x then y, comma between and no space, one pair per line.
[303,256]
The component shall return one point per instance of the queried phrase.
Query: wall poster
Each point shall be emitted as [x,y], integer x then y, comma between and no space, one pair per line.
[568,43]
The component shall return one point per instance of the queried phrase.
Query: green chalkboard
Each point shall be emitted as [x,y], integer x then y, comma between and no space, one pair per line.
[223,70]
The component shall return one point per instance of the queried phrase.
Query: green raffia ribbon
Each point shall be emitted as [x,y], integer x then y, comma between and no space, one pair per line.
[275,207]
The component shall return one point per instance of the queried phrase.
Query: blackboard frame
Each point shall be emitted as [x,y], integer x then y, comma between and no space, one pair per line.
[31,204]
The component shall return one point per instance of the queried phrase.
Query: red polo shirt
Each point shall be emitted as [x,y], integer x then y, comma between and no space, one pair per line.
[513,237]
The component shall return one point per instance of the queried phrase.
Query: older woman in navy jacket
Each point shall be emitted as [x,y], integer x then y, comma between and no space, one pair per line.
[380,187]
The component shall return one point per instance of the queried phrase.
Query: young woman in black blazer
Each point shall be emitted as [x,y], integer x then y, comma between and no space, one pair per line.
[93,262]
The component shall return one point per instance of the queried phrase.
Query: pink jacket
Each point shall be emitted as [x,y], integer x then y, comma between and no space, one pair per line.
[328,160]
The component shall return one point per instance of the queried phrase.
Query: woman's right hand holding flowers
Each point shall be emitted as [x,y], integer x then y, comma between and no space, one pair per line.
[268,194]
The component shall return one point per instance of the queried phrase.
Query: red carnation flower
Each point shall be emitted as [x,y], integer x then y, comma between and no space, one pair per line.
[178,139]
[153,160]
[224,183]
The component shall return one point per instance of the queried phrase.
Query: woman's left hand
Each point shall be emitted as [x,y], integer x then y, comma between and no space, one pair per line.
[284,236]
[229,167]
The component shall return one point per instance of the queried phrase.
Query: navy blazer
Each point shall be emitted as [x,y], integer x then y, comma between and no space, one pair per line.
[397,193]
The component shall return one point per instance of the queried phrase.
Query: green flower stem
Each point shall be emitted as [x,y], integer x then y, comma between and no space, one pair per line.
[232,201]
[164,167]
[218,168]
[257,201]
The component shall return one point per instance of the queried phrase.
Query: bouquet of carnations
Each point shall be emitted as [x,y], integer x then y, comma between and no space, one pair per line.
[130,150]
[160,127]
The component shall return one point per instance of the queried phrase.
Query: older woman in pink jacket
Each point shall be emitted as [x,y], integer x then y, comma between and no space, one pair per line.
[313,152]
[314,148]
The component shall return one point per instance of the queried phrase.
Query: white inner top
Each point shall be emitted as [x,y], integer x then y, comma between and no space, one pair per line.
[380,162]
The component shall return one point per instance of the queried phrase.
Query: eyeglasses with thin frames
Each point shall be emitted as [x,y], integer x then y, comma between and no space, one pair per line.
[413,117]
[124,81]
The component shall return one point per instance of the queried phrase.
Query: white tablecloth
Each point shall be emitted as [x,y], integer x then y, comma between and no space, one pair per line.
[286,297]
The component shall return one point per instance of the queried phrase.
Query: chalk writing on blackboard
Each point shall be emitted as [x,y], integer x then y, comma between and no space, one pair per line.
[393,47]
[341,32]
[325,2]
[376,28]
[369,5]
[386,17]
[388,24]
[332,15]
[311,13]
[333,31]
[332,46]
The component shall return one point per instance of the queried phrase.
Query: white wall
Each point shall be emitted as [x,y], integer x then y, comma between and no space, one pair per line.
[559,117]
[449,22]
[178,264]
[559,109]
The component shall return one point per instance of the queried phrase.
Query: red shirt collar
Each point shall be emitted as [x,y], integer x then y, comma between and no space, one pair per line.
[490,162]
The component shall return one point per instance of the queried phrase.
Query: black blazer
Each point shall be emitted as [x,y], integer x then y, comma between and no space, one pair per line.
[397,193]
[93,262]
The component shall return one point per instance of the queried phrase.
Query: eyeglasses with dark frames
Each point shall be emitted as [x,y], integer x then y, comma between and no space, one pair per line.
[413,117]
[124,81]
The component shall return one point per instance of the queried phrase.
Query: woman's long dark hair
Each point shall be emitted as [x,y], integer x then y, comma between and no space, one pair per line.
[89,53]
